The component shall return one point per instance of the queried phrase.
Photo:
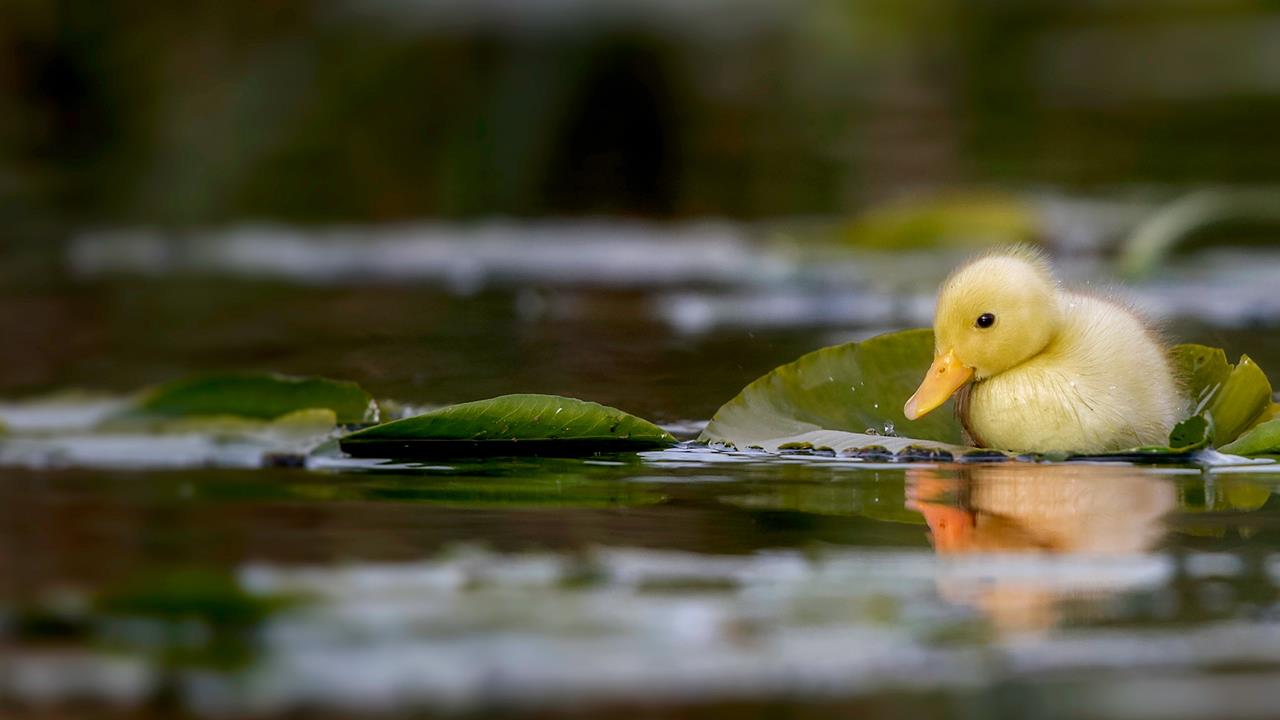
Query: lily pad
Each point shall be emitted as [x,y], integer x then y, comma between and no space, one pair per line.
[1194,433]
[848,399]
[1241,401]
[256,396]
[1203,370]
[844,397]
[963,220]
[509,425]
[1263,439]
[1232,397]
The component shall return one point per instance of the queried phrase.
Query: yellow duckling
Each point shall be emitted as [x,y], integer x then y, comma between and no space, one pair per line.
[1051,370]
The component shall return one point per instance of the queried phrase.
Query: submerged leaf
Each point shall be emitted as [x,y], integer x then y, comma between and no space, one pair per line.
[851,391]
[257,396]
[509,425]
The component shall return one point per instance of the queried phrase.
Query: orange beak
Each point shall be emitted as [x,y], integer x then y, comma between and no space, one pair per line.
[944,378]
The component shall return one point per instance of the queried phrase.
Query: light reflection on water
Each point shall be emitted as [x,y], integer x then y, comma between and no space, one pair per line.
[672,577]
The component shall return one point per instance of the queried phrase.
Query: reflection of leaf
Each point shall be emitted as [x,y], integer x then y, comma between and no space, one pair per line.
[175,601]
[1243,493]
[256,396]
[509,425]
[844,391]
[883,501]
[530,492]
[1223,494]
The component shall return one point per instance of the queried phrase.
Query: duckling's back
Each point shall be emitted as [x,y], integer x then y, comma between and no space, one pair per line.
[1103,384]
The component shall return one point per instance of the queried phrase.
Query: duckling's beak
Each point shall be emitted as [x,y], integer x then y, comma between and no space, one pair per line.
[945,377]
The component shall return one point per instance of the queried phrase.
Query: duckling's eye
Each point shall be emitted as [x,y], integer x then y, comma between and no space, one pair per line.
[986,320]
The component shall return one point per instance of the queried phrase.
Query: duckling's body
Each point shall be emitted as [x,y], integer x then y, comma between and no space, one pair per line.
[1102,384]
[1051,370]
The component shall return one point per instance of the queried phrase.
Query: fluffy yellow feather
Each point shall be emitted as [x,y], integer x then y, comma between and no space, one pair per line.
[1045,369]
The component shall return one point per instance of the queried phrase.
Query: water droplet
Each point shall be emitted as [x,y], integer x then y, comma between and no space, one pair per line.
[889,429]
[876,405]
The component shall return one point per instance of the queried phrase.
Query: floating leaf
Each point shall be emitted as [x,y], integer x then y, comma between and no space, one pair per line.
[509,425]
[257,396]
[957,220]
[1191,434]
[1263,439]
[1202,370]
[1243,398]
[1233,397]
[840,398]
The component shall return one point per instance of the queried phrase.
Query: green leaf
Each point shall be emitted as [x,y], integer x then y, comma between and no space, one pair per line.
[257,396]
[1262,439]
[837,398]
[509,425]
[1233,397]
[1191,434]
[1202,370]
[958,220]
[1243,398]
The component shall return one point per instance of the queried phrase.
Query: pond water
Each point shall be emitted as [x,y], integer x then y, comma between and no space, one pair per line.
[145,575]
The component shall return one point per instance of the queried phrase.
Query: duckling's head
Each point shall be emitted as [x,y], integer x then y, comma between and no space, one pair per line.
[993,314]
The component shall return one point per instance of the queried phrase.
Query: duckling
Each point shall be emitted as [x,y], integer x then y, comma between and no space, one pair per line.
[1042,369]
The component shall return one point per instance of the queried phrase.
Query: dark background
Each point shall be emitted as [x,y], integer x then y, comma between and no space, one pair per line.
[319,111]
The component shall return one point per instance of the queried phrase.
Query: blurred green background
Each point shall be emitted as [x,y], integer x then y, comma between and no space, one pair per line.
[319,111]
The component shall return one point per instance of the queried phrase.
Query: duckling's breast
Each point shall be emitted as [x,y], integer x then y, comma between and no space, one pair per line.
[1103,385]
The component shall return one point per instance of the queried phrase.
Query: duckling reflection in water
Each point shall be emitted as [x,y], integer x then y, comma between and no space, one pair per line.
[1015,508]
